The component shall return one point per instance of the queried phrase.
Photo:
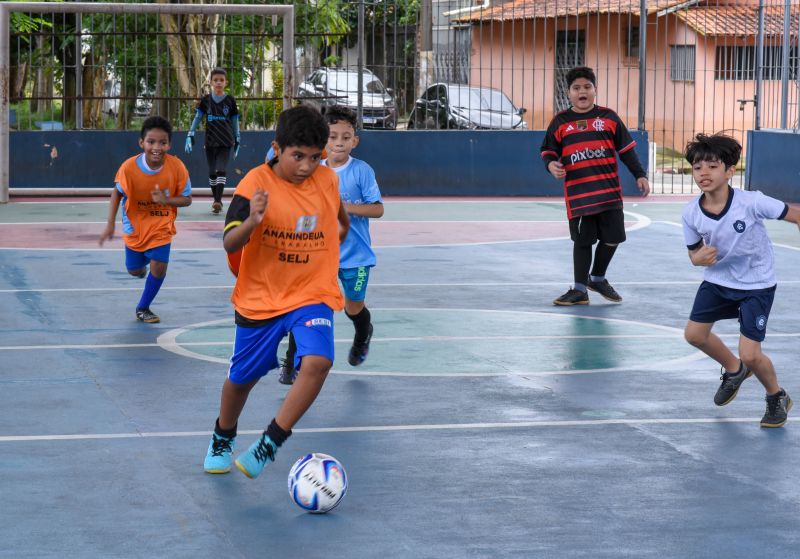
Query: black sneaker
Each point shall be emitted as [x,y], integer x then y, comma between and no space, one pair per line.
[604,288]
[730,385]
[145,315]
[288,372]
[573,297]
[358,352]
[778,406]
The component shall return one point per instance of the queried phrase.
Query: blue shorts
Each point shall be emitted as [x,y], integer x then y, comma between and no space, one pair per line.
[255,350]
[135,260]
[354,282]
[751,306]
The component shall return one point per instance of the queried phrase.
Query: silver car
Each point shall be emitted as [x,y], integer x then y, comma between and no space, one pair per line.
[335,86]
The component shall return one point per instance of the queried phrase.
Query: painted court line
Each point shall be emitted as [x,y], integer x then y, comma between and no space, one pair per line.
[388,339]
[501,284]
[383,220]
[390,428]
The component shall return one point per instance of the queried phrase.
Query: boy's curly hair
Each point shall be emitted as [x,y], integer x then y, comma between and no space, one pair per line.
[715,147]
[581,72]
[154,122]
[337,113]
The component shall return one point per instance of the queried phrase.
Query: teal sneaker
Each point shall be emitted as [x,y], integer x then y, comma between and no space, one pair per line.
[220,454]
[252,461]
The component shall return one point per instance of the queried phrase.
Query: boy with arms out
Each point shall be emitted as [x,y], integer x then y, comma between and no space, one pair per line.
[362,200]
[287,220]
[724,231]
[151,186]
[222,133]
[580,146]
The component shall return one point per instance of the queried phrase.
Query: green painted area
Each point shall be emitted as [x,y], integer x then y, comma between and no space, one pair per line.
[446,341]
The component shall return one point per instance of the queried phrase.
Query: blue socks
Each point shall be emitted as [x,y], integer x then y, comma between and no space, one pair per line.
[151,286]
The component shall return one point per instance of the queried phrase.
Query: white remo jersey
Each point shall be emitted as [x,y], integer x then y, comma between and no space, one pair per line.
[745,259]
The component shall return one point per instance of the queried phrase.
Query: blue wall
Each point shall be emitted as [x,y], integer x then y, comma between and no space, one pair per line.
[773,163]
[407,163]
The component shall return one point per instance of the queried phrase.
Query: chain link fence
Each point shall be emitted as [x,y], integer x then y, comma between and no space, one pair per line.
[671,67]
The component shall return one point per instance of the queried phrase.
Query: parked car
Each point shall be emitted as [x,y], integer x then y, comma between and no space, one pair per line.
[454,106]
[338,86]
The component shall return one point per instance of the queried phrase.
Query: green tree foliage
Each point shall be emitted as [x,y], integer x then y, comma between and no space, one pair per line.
[135,64]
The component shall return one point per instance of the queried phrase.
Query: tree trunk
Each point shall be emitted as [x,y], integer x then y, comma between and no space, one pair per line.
[67,59]
[127,106]
[194,53]
[93,81]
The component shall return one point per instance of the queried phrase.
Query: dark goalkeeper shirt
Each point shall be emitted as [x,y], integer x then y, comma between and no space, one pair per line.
[219,129]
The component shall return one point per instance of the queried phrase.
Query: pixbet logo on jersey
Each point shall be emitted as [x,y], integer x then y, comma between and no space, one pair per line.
[587,153]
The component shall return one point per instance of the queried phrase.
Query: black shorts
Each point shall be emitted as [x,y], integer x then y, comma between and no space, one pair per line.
[217,158]
[607,226]
[751,306]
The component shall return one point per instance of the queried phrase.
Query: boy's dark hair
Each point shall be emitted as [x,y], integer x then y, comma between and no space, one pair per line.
[217,71]
[156,122]
[581,72]
[337,113]
[717,147]
[302,126]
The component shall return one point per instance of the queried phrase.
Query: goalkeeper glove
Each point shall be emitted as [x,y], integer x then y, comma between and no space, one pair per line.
[189,142]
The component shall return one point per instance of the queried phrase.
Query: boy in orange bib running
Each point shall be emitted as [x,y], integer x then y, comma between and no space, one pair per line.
[151,186]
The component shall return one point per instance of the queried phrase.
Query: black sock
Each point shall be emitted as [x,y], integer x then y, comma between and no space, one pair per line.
[220,190]
[216,191]
[361,321]
[290,353]
[222,433]
[212,184]
[276,434]
[581,261]
[602,258]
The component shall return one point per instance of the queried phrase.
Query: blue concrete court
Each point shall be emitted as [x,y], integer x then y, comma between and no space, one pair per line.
[485,423]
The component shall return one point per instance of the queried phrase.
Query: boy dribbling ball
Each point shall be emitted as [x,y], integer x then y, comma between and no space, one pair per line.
[287,219]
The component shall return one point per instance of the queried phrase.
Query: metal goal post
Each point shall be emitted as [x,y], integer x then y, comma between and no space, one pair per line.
[6,8]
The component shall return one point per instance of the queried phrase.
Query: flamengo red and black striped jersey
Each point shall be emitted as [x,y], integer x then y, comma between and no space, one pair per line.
[587,144]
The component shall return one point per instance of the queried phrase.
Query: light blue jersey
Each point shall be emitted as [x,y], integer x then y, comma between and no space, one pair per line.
[745,259]
[357,185]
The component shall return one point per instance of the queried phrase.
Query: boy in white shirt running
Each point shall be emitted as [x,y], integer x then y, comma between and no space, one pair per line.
[724,231]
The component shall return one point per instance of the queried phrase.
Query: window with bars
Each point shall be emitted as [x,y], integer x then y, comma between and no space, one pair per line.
[632,42]
[681,68]
[739,63]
